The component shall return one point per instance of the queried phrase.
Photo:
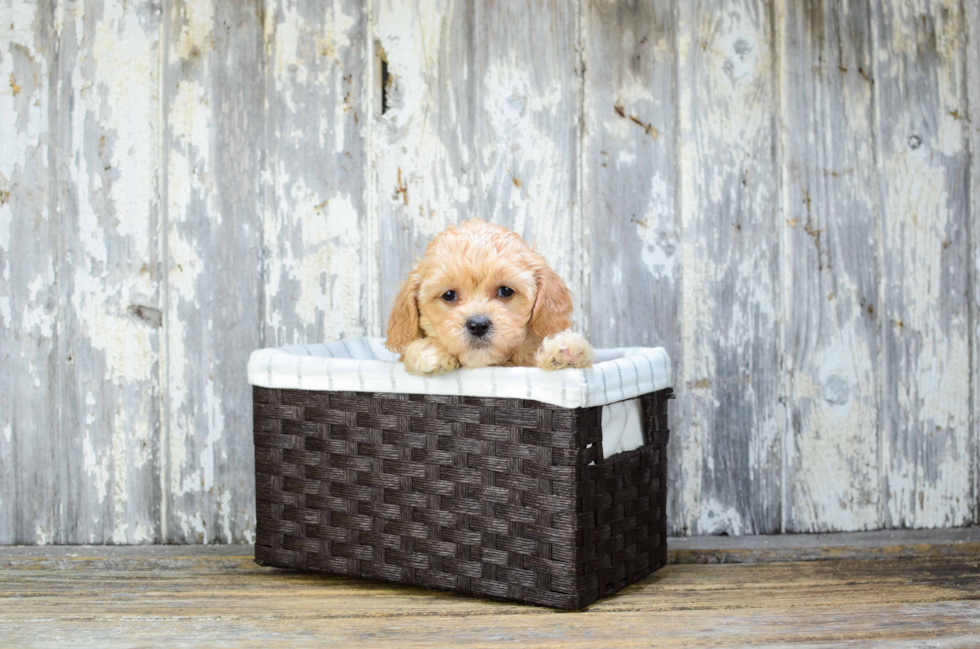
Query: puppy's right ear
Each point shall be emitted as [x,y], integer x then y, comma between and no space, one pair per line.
[403,321]
[553,306]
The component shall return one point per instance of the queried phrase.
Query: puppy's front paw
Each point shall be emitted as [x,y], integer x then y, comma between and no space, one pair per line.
[422,356]
[565,349]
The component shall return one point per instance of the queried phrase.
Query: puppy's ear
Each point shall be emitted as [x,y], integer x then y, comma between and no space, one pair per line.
[403,321]
[553,307]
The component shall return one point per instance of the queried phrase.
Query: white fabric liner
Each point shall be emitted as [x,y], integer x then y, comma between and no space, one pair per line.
[615,379]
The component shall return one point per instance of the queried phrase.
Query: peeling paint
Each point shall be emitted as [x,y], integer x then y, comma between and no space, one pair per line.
[120,481]
[729,305]
[216,428]
[696,204]
[517,112]
[224,515]
[141,534]
[182,429]
[42,536]
[716,518]
[120,88]
[39,316]
[186,267]
[126,65]
[193,527]
[659,246]
[195,38]
[926,361]
[114,153]
[297,43]
[6,220]
[24,127]
[95,461]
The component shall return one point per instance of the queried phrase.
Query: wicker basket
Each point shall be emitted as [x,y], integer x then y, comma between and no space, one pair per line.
[501,498]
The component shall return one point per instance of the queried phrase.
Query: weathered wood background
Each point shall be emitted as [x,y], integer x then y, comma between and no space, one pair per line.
[784,193]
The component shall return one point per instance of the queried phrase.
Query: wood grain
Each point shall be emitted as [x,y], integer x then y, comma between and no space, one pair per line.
[729,423]
[108,270]
[213,116]
[830,219]
[224,599]
[923,153]
[425,162]
[29,300]
[315,172]
[528,105]
[469,125]
[973,229]
[629,152]
[84,206]
[784,194]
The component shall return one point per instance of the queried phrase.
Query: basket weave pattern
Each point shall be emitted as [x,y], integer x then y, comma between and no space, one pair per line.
[502,498]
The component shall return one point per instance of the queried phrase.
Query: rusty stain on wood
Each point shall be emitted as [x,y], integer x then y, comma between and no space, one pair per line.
[401,188]
[647,128]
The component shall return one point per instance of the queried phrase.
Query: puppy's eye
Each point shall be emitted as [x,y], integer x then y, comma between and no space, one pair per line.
[449,296]
[505,291]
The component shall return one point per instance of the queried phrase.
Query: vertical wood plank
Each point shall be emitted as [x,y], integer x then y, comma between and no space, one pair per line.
[973,227]
[478,117]
[528,107]
[629,152]
[108,275]
[924,165]
[629,173]
[85,471]
[293,190]
[213,102]
[730,455]
[31,494]
[315,222]
[425,160]
[830,225]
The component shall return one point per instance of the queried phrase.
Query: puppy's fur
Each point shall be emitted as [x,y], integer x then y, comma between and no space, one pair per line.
[470,263]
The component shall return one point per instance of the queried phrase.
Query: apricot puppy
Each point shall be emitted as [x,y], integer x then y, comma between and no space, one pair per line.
[480,296]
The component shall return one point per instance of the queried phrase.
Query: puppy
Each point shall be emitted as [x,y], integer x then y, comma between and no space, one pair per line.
[480,296]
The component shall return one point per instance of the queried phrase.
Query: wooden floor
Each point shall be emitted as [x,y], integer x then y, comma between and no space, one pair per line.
[893,590]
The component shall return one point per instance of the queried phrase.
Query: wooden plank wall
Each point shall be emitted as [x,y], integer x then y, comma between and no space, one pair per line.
[782,193]
[830,344]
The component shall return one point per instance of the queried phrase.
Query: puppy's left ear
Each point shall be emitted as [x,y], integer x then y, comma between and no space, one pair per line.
[403,321]
[553,307]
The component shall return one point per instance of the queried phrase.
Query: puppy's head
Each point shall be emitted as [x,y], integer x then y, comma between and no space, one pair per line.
[480,291]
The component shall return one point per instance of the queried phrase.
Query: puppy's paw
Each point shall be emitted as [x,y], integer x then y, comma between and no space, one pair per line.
[565,349]
[423,357]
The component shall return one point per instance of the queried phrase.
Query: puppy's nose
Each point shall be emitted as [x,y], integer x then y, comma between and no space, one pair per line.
[478,325]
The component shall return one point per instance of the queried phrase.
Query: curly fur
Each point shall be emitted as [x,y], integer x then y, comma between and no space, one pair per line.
[474,259]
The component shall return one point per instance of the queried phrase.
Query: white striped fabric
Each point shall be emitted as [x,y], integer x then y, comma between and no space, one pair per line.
[364,365]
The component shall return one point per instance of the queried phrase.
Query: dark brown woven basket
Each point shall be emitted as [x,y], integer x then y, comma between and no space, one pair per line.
[502,498]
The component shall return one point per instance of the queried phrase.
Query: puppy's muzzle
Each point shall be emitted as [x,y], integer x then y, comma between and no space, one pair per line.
[478,326]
